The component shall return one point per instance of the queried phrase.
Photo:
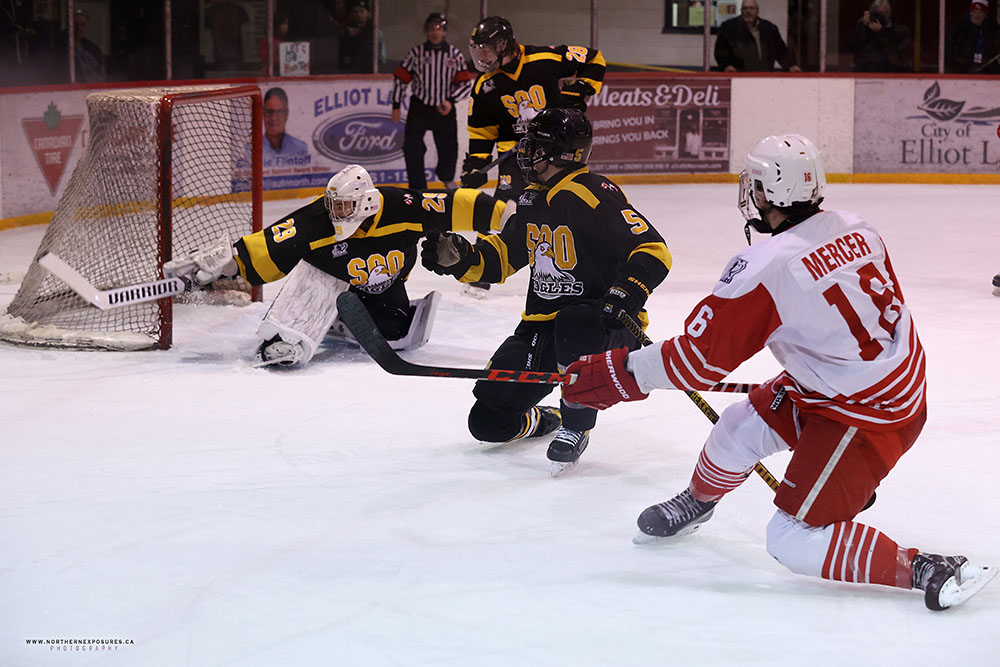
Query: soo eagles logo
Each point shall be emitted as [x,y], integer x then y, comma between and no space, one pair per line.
[361,138]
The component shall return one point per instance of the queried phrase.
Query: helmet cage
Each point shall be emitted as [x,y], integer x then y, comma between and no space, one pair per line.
[350,198]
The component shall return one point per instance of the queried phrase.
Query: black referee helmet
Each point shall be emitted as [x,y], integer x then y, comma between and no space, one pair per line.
[435,19]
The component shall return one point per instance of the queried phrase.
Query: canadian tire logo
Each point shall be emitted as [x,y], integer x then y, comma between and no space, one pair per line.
[51,138]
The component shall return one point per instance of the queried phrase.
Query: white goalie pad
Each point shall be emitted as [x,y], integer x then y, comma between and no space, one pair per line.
[416,336]
[304,309]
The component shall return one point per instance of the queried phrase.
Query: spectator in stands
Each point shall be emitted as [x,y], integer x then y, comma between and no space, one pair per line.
[225,20]
[340,14]
[973,45]
[276,141]
[280,35]
[748,43]
[356,40]
[879,44]
[88,56]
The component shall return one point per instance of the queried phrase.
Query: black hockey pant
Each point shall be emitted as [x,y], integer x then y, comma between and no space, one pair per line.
[541,346]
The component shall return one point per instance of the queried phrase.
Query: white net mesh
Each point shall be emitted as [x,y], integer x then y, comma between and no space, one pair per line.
[108,224]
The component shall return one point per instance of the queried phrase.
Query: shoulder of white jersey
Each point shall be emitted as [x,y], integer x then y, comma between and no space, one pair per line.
[745,270]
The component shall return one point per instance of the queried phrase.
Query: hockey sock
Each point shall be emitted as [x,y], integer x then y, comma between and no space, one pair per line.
[710,482]
[862,554]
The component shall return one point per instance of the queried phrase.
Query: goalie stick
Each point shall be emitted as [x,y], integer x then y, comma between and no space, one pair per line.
[354,314]
[112,298]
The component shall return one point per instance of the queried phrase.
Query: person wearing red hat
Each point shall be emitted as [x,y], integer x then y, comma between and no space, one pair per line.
[973,45]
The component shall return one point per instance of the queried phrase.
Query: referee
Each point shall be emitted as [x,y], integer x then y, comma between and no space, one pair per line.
[440,79]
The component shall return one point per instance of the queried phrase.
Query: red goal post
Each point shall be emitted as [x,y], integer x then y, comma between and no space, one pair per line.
[167,170]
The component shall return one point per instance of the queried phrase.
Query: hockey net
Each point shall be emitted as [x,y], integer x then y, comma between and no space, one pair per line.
[166,170]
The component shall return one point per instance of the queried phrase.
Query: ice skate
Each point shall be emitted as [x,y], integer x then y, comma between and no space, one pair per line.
[948,580]
[277,352]
[566,448]
[681,515]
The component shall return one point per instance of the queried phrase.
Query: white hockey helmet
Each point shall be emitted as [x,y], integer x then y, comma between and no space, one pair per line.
[350,198]
[784,171]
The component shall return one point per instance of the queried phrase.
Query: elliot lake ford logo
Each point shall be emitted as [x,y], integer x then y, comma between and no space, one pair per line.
[361,138]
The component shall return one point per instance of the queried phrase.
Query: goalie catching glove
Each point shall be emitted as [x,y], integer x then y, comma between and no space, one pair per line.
[205,266]
[602,380]
[447,254]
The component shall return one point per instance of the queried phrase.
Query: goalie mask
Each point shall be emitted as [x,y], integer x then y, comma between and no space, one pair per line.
[560,137]
[492,40]
[783,172]
[350,198]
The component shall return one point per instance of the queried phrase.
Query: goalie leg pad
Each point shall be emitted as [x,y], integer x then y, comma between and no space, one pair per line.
[304,309]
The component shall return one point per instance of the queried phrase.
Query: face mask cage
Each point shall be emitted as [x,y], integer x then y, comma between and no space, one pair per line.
[340,208]
[484,57]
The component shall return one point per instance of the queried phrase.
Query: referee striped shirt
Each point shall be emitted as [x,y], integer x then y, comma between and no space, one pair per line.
[437,73]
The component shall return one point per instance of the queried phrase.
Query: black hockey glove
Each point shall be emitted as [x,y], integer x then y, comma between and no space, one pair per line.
[574,96]
[627,294]
[471,176]
[447,254]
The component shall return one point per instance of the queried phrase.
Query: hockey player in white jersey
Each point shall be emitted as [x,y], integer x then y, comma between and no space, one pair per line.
[821,294]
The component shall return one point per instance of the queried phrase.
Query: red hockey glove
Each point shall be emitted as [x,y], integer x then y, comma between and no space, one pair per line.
[602,380]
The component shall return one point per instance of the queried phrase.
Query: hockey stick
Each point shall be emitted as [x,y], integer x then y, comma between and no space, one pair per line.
[500,158]
[354,314]
[112,298]
[706,409]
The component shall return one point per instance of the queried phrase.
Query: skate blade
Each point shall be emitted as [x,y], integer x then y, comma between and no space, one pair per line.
[643,538]
[558,467]
[974,578]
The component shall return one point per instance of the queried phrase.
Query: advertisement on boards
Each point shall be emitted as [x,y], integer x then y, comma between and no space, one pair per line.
[656,125]
[43,136]
[314,129]
[926,126]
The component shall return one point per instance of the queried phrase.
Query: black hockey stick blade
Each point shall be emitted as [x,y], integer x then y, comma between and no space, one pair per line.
[360,323]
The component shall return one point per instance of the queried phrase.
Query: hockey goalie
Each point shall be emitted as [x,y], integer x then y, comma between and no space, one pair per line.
[356,236]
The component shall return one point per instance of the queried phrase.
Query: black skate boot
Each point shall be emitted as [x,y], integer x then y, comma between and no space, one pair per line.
[566,448]
[948,580]
[681,515]
[996,282]
[540,420]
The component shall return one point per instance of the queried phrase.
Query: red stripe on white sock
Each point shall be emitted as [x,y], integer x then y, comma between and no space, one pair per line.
[864,555]
[710,482]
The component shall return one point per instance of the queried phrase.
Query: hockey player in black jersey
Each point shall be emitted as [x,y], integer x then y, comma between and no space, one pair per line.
[592,255]
[356,236]
[517,82]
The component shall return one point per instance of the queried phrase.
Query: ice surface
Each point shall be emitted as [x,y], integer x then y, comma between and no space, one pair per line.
[221,515]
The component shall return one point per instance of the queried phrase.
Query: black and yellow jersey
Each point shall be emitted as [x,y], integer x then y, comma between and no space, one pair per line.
[579,234]
[383,249]
[532,79]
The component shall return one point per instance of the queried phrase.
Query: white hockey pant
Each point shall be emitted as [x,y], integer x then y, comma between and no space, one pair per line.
[738,441]
[304,308]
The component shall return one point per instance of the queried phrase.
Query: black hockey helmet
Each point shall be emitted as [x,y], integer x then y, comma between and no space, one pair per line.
[560,137]
[435,18]
[492,39]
